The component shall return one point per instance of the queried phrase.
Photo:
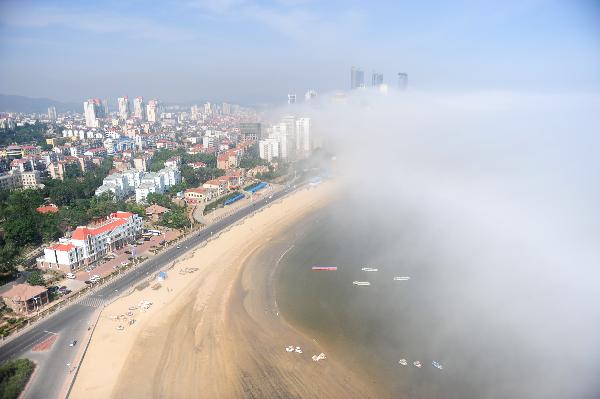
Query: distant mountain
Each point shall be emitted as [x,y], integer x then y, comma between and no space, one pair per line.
[10,103]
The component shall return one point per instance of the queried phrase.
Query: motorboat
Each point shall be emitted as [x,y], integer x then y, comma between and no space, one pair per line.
[369,269]
[417,364]
[401,278]
[403,362]
[361,283]
[437,365]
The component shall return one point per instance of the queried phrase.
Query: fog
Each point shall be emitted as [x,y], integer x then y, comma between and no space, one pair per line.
[502,192]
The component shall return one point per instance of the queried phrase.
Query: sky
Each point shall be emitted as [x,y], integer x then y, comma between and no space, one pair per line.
[255,52]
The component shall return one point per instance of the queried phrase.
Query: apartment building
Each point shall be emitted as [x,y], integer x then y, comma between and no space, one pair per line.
[91,243]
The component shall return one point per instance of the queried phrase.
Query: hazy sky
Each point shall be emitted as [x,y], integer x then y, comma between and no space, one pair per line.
[256,51]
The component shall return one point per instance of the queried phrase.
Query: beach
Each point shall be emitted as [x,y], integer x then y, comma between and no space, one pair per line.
[213,328]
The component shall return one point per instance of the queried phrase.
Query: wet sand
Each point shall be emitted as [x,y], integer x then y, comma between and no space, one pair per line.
[216,333]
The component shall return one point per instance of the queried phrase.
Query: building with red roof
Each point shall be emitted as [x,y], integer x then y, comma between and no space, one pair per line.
[50,208]
[91,243]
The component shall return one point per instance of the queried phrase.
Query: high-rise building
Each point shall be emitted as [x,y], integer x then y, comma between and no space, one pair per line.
[226,109]
[268,149]
[402,80]
[376,79]
[357,78]
[105,108]
[152,110]
[123,103]
[290,128]
[280,133]
[195,112]
[250,131]
[207,108]
[52,113]
[92,110]
[291,98]
[139,111]
[310,95]
[303,139]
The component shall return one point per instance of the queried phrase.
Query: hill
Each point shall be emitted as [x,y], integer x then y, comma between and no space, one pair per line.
[12,103]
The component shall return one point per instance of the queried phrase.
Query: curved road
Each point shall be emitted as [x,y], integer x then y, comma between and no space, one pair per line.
[72,322]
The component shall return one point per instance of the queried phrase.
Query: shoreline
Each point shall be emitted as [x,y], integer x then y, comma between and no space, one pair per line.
[208,333]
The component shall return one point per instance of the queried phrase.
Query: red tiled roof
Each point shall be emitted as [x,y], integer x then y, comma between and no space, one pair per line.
[198,190]
[119,219]
[62,247]
[47,209]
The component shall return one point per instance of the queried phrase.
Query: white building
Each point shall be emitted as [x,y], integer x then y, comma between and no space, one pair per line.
[52,113]
[152,111]
[303,139]
[89,111]
[91,243]
[268,149]
[123,103]
[139,110]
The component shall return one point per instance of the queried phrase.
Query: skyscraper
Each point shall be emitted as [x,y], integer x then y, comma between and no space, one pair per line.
[311,94]
[91,109]
[52,113]
[250,131]
[291,98]
[195,110]
[402,80]
[123,103]
[376,79]
[303,139]
[152,111]
[139,111]
[226,109]
[357,78]
[207,108]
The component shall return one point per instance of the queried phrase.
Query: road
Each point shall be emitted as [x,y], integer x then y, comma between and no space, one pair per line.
[72,322]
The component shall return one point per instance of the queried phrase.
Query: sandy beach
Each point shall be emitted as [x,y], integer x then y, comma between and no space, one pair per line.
[215,332]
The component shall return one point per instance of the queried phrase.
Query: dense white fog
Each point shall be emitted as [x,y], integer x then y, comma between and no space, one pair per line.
[505,187]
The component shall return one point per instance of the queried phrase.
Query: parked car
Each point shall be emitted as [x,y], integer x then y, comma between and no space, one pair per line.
[89,269]
[53,288]
[70,275]
[124,263]
[87,282]
[73,342]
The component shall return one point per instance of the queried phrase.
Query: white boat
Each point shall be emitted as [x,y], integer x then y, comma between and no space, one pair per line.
[289,348]
[369,269]
[359,283]
[417,364]
[437,365]
[403,362]
[404,278]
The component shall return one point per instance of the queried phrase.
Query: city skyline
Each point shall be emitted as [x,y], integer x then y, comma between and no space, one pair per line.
[461,48]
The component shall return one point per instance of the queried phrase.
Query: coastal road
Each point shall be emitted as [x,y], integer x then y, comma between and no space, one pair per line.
[72,322]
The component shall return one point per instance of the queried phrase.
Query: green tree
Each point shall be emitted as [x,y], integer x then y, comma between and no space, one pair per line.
[36,278]
[176,218]
[160,199]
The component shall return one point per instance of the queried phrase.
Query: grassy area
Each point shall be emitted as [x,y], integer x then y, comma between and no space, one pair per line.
[215,204]
[14,375]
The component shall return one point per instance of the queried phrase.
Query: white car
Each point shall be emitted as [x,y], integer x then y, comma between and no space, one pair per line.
[70,275]
[124,263]
[94,278]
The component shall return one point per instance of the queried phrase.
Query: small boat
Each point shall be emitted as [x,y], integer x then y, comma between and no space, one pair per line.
[403,362]
[360,283]
[437,365]
[369,269]
[417,364]
[289,348]
[405,278]
[325,268]
[298,350]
